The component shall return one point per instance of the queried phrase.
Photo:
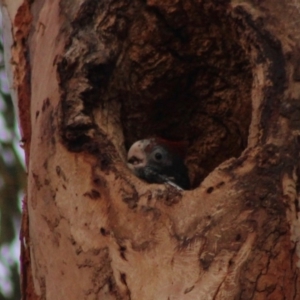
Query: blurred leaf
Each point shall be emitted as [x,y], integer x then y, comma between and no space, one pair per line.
[12,183]
[9,112]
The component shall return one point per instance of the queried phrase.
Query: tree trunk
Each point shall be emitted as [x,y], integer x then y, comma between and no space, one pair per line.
[91,77]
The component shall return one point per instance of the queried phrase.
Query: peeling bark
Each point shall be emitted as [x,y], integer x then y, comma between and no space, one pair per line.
[91,77]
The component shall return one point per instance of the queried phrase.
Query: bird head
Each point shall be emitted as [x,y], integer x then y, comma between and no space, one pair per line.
[157,160]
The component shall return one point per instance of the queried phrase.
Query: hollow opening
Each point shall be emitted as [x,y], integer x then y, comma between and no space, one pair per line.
[189,80]
[175,70]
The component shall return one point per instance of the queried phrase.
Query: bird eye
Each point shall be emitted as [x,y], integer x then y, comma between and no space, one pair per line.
[158,156]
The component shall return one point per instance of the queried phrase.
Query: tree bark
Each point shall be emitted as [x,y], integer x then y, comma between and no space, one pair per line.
[90,78]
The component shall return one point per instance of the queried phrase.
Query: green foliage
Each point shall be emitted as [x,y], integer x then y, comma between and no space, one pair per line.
[12,182]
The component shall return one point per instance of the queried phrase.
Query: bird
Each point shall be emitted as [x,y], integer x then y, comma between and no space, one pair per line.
[157,160]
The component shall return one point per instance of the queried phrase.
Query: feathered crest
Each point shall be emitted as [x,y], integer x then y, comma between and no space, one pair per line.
[176,147]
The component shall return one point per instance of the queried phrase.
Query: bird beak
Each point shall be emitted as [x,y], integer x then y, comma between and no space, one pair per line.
[136,157]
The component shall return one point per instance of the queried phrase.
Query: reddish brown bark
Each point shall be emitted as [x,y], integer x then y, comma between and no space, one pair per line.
[222,76]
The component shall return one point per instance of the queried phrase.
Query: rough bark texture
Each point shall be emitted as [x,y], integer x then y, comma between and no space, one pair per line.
[91,77]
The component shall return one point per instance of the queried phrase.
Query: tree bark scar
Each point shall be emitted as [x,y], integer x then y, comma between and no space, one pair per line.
[20,61]
[85,71]
[269,53]
[123,280]
[93,194]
